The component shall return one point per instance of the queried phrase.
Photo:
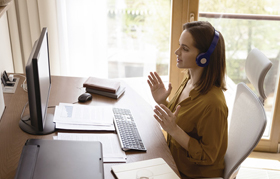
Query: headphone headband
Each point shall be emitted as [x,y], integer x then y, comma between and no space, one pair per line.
[203,59]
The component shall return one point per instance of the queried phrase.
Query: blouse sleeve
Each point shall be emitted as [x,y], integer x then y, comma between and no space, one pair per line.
[211,129]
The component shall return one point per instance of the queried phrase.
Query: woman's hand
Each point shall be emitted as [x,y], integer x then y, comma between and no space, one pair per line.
[157,87]
[166,118]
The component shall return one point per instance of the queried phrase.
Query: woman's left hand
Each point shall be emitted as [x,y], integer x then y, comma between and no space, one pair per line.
[166,118]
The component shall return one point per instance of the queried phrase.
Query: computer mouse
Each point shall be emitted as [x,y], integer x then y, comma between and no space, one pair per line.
[84,97]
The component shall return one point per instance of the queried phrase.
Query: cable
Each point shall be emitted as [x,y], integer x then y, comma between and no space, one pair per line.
[21,118]
[23,112]
[23,85]
[18,75]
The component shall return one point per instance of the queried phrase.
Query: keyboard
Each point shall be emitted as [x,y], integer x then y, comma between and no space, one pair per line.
[127,130]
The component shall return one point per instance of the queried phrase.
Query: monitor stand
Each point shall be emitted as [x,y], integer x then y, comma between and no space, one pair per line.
[26,126]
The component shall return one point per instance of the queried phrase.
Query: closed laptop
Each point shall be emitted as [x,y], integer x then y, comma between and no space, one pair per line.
[48,159]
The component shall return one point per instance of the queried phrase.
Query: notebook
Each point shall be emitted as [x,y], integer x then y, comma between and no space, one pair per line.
[159,168]
[48,159]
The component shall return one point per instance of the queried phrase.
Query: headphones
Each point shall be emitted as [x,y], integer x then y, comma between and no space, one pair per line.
[203,59]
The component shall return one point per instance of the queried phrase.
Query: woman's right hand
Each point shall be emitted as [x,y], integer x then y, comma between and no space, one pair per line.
[158,89]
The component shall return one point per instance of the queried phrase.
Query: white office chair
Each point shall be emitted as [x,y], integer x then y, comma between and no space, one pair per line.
[248,120]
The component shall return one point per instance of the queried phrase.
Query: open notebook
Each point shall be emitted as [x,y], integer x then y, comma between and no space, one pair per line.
[159,168]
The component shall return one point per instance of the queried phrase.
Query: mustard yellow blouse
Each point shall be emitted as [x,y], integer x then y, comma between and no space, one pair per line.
[204,119]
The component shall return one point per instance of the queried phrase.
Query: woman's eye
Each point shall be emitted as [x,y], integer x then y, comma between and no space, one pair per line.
[183,47]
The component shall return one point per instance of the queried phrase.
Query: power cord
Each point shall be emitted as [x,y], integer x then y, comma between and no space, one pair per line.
[24,84]
[23,112]
[21,116]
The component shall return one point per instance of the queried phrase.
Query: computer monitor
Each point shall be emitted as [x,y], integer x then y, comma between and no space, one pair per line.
[38,78]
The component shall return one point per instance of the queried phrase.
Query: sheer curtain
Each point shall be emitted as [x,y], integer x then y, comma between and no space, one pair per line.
[108,39]
[76,31]
[114,39]
[26,20]
[82,37]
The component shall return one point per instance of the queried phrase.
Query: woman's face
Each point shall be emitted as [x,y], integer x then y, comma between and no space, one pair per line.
[186,53]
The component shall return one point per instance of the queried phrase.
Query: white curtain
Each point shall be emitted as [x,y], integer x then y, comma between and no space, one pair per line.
[26,19]
[93,37]
[76,32]
[82,37]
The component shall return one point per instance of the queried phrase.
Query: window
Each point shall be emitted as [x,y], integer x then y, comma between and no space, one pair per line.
[114,39]
[251,25]
[241,35]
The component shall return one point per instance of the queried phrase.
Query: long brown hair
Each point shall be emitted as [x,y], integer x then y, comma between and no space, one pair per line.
[214,73]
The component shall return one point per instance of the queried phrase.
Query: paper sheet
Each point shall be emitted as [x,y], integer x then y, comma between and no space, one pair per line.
[85,127]
[83,114]
[110,144]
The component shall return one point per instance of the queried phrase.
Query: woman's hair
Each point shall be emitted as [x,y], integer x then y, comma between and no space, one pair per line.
[214,73]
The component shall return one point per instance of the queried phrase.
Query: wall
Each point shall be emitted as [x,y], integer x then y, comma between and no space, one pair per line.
[6,62]
[6,59]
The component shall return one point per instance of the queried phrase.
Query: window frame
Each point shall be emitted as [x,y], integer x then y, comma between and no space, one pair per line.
[181,11]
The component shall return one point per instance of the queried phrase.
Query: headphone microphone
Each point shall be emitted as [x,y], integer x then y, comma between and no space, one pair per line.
[203,59]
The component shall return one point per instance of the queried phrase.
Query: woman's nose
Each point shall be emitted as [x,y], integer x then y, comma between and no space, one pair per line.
[177,51]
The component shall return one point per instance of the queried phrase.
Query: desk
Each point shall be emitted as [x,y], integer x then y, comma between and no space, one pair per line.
[67,90]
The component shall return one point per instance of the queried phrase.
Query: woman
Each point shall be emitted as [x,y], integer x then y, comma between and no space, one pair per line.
[196,118]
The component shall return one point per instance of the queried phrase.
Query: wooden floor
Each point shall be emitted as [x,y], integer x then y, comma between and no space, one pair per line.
[260,165]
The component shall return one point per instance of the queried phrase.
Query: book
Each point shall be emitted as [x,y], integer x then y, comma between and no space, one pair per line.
[159,168]
[101,84]
[116,95]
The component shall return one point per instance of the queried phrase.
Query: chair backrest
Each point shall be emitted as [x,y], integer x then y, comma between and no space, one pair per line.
[247,126]
[256,67]
[248,119]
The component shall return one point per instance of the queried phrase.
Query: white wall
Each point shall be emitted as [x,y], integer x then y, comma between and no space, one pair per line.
[6,59]
[6,62]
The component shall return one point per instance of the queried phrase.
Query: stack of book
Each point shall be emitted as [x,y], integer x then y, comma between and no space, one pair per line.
[104,87]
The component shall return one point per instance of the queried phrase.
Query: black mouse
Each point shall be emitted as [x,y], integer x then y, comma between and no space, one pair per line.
[84,97]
